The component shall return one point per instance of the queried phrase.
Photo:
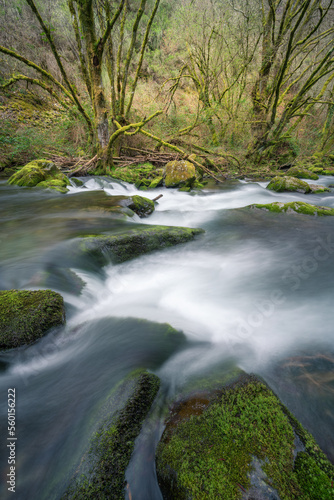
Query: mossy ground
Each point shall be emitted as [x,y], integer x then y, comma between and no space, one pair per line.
[295,206]
[144,175]
[25,316]
[209,455]
[113,444]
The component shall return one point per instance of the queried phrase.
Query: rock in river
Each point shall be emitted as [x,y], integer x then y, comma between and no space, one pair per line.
[243,444]
[25,315]
[41,173]
[280,184]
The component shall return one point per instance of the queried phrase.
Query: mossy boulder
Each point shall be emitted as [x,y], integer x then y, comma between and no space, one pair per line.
[113,444]
[25,316]
[180,174]
[280,184]
[132,243]
[41,173]
[295,207]
[317,188]
[301,173]
[242,444]
[140,205]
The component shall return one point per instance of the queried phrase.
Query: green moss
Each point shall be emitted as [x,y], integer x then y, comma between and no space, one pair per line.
[280,184]
[125,246]
[211,453]
[156,182]
[316,170]
[313,470]
[141,206]
[185,189]
[143,183]
[180,173]
[77,182]
[41,173]
[142,175]
[56,184]
[316,189]
[301,173]
[114,442]
[295,206]
[198,185]
[27,176]
[25,316]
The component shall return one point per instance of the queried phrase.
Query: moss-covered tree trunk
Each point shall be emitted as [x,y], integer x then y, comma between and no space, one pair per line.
[94,50]
[260,89]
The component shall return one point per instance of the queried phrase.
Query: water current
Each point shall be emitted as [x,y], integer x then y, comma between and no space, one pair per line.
[255,291]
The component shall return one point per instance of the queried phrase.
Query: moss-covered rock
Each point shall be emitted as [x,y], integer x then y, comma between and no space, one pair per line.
[180,174]
[240,445]
[41,173]
[140,205]
[25,316]
[113,444]
[156,182]
[134,242]
[295,207]
[301,173]
[317,188]
[56,184]
[76,182]
[280,184]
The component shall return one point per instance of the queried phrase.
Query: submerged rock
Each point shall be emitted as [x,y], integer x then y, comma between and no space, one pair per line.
[180,174]
[41,173]
[25,316]
[113,444]
[301,173]
[280,184]
[295,207]
[134,242]
[242,444]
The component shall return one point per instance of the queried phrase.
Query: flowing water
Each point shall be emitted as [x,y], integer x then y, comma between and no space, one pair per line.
[255,292]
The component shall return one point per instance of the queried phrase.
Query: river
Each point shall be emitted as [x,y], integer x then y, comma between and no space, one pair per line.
[255,292]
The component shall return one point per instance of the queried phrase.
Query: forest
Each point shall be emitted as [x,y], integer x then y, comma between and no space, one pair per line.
[240,83]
